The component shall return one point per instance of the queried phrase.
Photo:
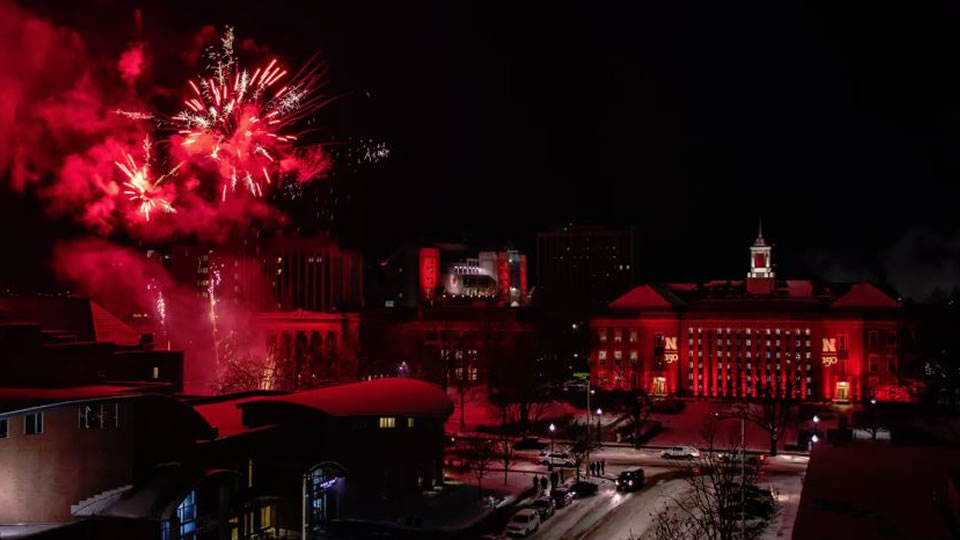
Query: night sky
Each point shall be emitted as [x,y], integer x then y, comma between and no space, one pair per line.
[688,120]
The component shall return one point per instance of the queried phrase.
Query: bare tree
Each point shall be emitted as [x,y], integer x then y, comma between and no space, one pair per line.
[638,404]
[773,416]
[479,456]
[581,444]
[718,501]
[506,456]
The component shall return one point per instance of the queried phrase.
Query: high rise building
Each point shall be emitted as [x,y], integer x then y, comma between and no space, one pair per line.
[584,266]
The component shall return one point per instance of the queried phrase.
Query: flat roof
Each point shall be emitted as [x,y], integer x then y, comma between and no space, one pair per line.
[869,491]
[395,396]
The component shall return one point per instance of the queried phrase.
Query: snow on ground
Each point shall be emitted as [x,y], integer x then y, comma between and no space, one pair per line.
[786,490]
[634,516]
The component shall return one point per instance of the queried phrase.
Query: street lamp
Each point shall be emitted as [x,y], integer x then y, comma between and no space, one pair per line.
[814,438]
[873,401]
[816,419]
[599,417]
[553,428]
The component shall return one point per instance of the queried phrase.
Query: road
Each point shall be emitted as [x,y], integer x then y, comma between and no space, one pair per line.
[618,516]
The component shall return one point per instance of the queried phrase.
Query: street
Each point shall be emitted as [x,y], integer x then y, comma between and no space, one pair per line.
[617,515]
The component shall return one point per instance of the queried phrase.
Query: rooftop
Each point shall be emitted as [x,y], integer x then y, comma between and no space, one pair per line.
[870,492]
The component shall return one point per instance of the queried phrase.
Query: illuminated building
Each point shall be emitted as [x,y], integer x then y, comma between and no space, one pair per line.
[753,338]
[452,274]
[584,267]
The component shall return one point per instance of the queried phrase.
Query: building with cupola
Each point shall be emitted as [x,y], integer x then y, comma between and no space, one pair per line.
[759,337]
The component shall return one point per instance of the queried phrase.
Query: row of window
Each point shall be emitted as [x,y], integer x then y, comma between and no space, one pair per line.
[32,425]
[390,422]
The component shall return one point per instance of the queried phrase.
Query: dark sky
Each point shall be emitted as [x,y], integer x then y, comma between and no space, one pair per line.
[688,120]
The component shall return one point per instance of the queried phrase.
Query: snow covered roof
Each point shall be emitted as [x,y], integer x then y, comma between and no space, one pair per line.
[81,317]
[381,397]
[865,295]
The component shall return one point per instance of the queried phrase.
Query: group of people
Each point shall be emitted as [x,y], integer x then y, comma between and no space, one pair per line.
[541,483]
[598,468]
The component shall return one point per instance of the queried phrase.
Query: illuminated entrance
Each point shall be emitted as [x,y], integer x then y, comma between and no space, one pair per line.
[843,392]
[322,493]
[659,386]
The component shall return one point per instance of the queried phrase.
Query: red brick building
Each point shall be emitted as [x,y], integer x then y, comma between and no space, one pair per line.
[758,337]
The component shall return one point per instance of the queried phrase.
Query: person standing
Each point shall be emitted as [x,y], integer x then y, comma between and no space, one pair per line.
[536,484]
[603,466]
[543,484]
[554,479]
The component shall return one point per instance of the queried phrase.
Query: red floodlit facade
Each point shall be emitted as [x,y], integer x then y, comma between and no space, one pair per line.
[755,338]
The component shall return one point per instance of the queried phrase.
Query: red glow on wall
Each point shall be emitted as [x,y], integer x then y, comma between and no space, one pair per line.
[503,276]
[429,261]
[523,275]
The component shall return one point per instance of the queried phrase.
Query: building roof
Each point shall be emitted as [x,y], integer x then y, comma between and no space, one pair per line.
[81,317]
[381,397]
[14,398]
[732,295]
[870,492]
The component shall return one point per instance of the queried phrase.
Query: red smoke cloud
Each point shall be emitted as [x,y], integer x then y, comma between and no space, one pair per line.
[125,281]
[65,123]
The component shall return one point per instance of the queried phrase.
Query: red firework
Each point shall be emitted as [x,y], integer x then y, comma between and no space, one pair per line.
[241,121]
[140,188]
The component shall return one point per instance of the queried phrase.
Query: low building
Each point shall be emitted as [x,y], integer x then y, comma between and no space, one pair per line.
[257,465]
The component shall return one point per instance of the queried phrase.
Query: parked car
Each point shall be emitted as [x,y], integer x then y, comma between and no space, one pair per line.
[524,522]
[680,452]
[584,489]
[630,480]
[545,506]
[562,496]
[557,459]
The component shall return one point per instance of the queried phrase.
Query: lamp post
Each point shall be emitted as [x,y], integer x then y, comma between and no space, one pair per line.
[553,428]
[742,413]
[599,418]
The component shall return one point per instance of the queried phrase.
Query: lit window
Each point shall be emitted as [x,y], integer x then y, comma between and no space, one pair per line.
[187,516]
[617,335]
[841,342]
[602,334]
[266,517]
[4,433]
[602,355]
[156,372]
[250,472]
[633,336]
[387,422]
[33,423]
[409,422]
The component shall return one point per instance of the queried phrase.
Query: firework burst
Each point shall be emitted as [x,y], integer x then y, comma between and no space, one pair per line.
[140,189]
[242,121]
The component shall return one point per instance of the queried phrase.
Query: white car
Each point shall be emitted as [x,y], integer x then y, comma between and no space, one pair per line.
[524,522]
[680,452]
[557,459]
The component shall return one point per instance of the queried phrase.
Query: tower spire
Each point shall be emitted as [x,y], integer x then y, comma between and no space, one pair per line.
[760,227]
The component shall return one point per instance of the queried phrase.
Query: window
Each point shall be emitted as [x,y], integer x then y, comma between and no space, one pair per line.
[387,422]
[33,423]
[156,372]
[266,517]
[602,333]
[617,335]
[658,341]
[841,342]
[892,364]
[873,338]
[891,338]
[410,422]
[633,335]
[633,357]
[4,432]
[874,364]
[617,355]
[250,472]
[187,516]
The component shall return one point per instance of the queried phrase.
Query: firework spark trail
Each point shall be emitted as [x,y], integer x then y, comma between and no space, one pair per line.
[140,189]
[241,121]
